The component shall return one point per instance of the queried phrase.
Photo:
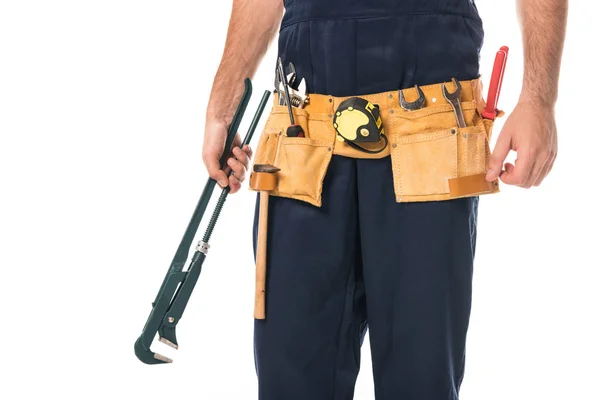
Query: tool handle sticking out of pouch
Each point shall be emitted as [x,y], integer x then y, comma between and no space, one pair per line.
[454,99]
[296,88]
[491,108]
[293,130]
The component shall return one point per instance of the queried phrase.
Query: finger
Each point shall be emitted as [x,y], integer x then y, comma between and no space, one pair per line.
[552,163]
[237,141]
[534,174]
[244,155]
[508,169]
[544,161]
[238,168]
[241,157]
[551,166]
[248,151]
[523,171]
[214,170]
[519,175]
[543,173]
[234,184]
[498,156]
[546,170]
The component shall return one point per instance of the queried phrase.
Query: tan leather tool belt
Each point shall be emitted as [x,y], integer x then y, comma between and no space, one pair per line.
[432,159]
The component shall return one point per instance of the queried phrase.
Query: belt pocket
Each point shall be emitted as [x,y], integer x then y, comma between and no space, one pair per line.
[422,163]
[442,164]
[266,150]
[303,163]
[473,151]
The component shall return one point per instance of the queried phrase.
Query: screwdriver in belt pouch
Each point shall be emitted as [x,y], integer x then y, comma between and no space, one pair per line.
[293,130]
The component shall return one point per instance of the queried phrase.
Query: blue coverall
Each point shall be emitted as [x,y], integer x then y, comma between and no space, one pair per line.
[404,270]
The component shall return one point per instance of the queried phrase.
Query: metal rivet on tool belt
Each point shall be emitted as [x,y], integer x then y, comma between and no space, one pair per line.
[390,96]
[171,320]
[391,111]
[330,115]
[399,198]
[465,135]
[433,100]
[453,131]
[331,100]
[329,149]
[394,145]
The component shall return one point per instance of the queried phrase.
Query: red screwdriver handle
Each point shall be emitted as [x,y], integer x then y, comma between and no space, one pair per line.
[491,109]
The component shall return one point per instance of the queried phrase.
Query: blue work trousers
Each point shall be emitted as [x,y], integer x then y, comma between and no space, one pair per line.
[361,260]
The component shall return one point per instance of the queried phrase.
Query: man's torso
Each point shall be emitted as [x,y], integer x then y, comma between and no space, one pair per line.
[351,47]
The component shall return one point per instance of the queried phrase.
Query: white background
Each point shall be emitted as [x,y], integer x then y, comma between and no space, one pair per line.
[101,119]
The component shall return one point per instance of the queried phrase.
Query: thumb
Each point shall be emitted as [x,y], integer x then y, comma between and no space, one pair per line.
[498,156]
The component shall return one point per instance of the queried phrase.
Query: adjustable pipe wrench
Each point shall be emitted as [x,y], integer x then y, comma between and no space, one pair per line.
[298,96]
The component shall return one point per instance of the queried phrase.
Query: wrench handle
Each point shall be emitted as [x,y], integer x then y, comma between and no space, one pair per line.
[458,112]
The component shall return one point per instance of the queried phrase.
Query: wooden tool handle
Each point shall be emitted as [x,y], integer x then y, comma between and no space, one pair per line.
[261,257]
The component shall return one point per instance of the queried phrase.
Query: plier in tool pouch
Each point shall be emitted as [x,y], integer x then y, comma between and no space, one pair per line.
[178,284]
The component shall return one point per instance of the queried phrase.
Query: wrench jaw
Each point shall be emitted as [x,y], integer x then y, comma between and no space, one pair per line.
[301,88]
[167,336]
[454,95]
[415,105]
[454,100]
[298,96]
[156,325]
[147,356]
[292,75]
[291,78]
[296,89]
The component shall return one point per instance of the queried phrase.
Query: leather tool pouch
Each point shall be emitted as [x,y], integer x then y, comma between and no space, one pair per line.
[432,159]
[303,161]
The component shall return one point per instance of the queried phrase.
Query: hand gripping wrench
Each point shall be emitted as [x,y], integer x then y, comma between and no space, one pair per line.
[454,100]
[177,287]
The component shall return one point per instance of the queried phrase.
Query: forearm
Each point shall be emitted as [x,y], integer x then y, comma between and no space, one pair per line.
[543,26]
[252,26]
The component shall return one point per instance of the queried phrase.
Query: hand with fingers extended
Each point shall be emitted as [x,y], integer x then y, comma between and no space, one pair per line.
[531,132]
[238,161]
